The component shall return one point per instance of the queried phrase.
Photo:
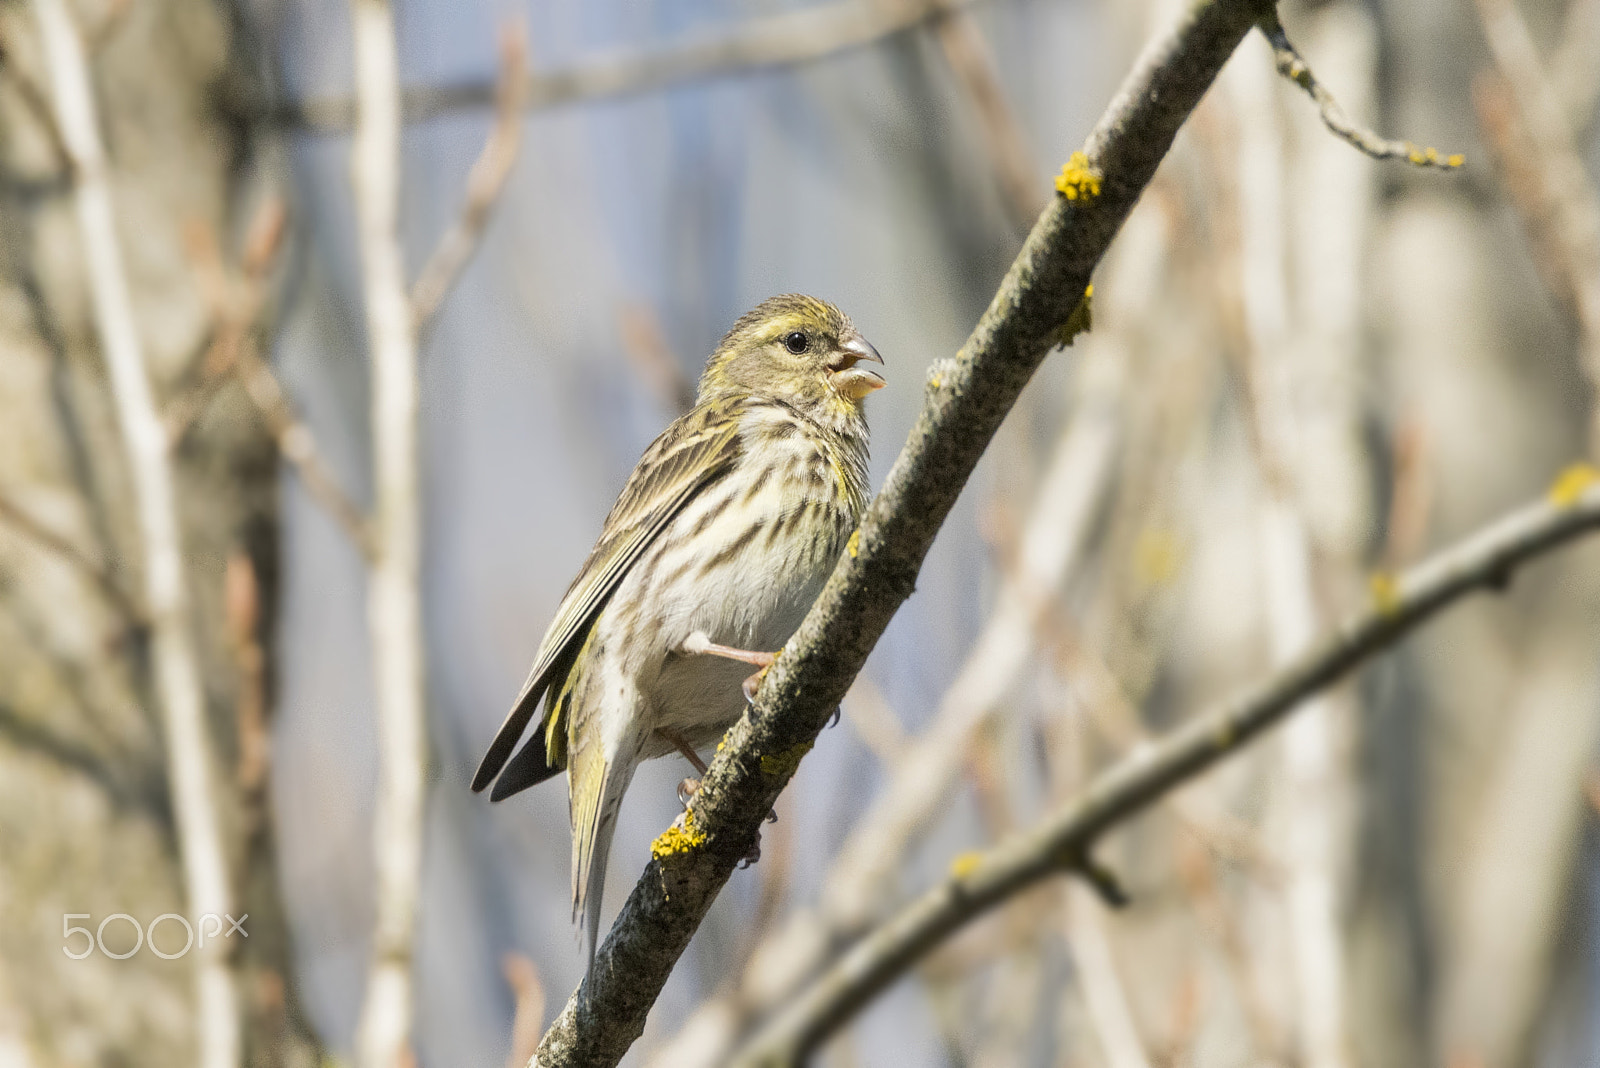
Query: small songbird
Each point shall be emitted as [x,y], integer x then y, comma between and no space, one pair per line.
[723,536]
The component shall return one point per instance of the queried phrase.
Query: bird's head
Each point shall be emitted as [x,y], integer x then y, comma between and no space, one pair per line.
[800,349]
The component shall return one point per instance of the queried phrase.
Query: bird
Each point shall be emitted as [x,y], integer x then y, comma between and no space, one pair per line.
[721,539]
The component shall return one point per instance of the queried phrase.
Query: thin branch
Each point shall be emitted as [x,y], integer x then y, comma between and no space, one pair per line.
[966,400]
[394,603]
[298,446]
[527,1020]
[646,346]
[19,519]
[1567,198]
[484,182]
[766,43]
[1572,67]
[37,104]
[1014,165]
[236,309]
[1294,68]
[175,661]
[1485,560]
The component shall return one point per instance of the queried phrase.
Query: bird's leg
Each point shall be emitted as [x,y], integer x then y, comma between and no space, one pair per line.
[698,644]
[686,788]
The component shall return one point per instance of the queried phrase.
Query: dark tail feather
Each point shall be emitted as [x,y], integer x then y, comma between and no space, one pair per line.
[529,767]
[505,740]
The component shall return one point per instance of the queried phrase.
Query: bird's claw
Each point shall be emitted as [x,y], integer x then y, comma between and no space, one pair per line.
[838,711]
[687,788]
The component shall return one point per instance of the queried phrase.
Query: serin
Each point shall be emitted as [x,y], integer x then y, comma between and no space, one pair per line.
[723,536]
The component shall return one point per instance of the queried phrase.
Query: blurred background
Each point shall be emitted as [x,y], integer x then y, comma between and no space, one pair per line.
[1306,369]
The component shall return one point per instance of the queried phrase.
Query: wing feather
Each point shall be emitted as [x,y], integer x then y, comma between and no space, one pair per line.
[694,452]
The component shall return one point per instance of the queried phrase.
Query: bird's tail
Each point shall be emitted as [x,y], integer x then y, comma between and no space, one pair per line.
[597,783]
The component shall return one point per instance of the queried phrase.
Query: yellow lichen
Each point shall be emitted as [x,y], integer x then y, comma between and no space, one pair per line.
[783,764]
[1080,321]
[1385,593]
[965,864]
[676,839]
[1077,180]
[1430,157]
[936,381]
[1157,557]
[1570,486]
[853,546]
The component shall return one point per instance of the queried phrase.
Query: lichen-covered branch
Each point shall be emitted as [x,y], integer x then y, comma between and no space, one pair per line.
[1399,605]
[967,398]
[1293,67]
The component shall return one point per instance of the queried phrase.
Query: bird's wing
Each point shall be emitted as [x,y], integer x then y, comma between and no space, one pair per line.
[691,454]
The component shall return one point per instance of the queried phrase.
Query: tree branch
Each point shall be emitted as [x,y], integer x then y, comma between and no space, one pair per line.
[1293,67]
[967,397]
[484,182]
[773,41]
[20,520]
[1485,560]
[394,609]
[176,662]
[1564,199]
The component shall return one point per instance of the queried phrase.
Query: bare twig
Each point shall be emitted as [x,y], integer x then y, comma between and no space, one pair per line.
[19,519]
[33,98]
[1294,68]
[646,346]
[1566,196]
[1484,561]
[1014,164]
[769,42]
[176,663]
[484,183]
[1572,67]
[394,609]
[298,446]
[241,600]
[528,1019]
[235,309]
[967,397]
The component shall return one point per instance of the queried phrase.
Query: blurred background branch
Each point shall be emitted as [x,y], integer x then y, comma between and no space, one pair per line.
[1059,843]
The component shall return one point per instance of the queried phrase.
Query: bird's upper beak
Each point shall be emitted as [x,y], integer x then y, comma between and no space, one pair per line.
[846,374]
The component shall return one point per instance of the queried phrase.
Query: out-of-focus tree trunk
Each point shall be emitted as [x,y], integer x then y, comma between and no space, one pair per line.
[86,819]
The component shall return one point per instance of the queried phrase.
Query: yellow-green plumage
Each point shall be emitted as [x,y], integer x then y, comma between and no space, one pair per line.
[726,529]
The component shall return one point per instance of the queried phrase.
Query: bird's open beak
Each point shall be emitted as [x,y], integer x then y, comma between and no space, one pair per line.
[846,374]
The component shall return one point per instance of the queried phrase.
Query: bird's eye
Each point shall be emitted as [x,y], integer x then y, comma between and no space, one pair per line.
[797,343]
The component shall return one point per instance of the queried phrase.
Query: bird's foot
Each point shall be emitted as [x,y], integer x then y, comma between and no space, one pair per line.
[751,685]
[687,788]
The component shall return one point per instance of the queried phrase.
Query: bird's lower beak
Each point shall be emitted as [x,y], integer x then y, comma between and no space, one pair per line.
[851,379]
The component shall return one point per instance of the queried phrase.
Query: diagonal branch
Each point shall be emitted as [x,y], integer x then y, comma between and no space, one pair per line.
[773,41]
[20,520]
[967,397]
[1293,67]
[1484,561]
[484,182]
